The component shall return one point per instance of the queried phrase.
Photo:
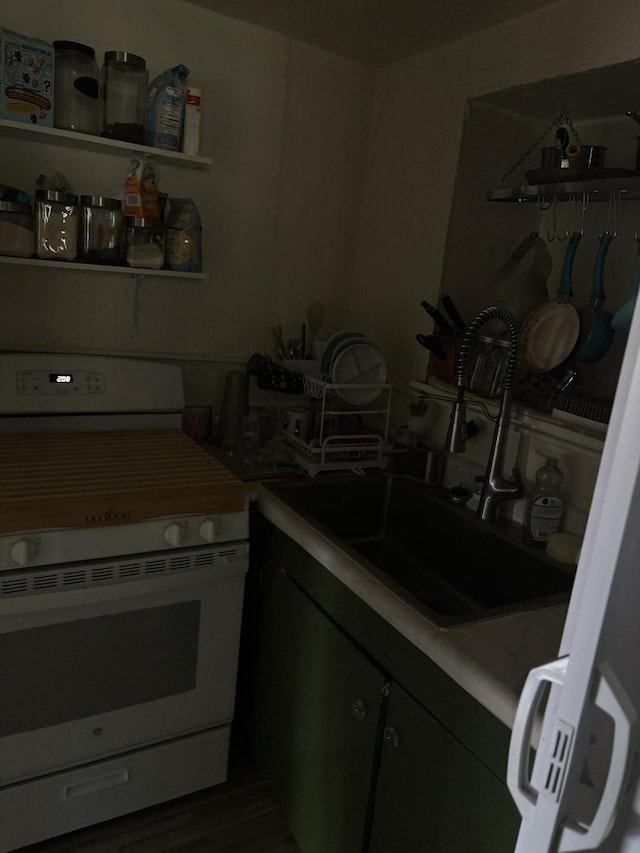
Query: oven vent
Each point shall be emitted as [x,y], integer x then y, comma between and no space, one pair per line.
[129,570]
[45,582]
[102,573]
[113,572]
[15,586]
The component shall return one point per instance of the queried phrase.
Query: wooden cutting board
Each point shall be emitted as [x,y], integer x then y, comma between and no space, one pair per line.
[93,479]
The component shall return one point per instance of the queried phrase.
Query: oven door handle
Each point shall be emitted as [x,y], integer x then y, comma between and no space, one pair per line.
[68,595]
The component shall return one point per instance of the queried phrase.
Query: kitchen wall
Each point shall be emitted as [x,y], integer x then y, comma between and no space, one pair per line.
[286,127]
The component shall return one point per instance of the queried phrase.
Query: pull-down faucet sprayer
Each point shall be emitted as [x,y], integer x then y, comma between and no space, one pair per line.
[496,486]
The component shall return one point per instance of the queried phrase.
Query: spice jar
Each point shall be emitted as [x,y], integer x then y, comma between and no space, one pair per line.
[145,242]
[76,88]
[101,230]
[125,80]
[16,229]
[56,225]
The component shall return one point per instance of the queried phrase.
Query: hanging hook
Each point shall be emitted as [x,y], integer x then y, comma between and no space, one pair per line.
[612,214]
[551,236]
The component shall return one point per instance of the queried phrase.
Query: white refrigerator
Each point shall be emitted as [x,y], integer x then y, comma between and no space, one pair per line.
[583,790]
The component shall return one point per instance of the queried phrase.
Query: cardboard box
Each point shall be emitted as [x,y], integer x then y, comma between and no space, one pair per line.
[191,131]
[27,67]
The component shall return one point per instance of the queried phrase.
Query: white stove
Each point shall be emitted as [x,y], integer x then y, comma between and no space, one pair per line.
[123,550]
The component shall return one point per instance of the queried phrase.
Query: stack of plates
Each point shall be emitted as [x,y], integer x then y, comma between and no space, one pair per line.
[350,359]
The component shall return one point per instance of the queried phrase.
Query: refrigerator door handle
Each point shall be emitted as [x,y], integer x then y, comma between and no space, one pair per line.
[613,700]
[524,794]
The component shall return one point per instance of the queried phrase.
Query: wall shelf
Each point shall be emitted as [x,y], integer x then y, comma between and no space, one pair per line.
[597,189]
[76,266]
[70,139]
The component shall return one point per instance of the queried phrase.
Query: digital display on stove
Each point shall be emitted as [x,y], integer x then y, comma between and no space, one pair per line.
[61,378]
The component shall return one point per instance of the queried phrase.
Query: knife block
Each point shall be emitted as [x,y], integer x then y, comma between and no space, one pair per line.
[445,368]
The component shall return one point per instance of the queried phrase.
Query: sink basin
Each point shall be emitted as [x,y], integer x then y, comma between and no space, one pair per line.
[435,554]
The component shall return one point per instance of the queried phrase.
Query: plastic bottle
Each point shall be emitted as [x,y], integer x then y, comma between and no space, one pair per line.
[543,514]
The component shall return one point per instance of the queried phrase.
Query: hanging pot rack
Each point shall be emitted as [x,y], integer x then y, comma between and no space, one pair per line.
[624,183]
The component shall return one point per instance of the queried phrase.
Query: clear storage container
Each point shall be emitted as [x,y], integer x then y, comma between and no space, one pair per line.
[125,81]
[101,230]
[16,229]
[145,242]
[56,220]
[76,88]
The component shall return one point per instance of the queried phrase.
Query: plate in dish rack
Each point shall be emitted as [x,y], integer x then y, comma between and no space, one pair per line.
[359,364]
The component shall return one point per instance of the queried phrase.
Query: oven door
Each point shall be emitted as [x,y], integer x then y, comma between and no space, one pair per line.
[118,659]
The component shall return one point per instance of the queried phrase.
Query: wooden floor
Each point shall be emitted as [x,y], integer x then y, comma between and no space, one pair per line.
[239,816]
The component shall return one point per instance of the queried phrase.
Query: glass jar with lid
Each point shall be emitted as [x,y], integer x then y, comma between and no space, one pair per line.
[145,242]
[76,90]
[16,229]
[56,219]
[125,81]
[101,230]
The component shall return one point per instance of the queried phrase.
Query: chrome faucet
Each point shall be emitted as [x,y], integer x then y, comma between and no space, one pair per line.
[496,486]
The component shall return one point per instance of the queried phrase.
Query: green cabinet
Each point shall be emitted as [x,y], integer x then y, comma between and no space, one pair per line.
[318,699]
[368,747]
[432,794]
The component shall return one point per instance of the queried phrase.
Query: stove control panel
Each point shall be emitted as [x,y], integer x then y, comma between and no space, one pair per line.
[78,383]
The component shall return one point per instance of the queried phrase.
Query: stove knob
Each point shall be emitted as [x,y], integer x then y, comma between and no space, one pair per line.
[23,551]
[209,529]
[174,535]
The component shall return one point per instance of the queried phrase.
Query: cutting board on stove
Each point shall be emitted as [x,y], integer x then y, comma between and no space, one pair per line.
[93,479]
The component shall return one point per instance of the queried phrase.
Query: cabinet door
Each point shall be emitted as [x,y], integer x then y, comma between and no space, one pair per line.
[316,719]
[433,795]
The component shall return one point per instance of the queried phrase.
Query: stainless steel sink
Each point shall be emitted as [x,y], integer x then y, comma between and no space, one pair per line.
[436,554]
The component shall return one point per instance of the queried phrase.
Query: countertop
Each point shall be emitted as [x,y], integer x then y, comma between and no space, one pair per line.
[489,659]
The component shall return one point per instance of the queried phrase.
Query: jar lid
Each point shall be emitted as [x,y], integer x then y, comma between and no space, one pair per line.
[100,201]
[125,57]
[75,45]
[56,195]
[143,222]
[15,207]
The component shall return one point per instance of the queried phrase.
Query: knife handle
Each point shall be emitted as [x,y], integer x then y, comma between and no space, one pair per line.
[453,312]
[437,317]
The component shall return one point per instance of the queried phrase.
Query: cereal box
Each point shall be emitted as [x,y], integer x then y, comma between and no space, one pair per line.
[26,65]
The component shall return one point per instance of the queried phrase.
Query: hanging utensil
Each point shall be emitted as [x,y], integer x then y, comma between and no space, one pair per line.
[437,317]
[596,332]
[550,332]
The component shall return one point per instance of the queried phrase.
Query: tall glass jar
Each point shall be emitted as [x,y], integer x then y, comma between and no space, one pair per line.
[125,81]
[56,219]
[16,229]
[76,88]
[101,230]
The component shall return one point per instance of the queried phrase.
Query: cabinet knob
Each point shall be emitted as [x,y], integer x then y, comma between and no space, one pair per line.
[390,736]
[358,709]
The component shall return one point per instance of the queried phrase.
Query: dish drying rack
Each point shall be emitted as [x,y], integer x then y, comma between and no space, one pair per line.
[330,451]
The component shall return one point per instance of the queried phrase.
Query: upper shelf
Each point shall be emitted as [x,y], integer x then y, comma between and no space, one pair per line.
[597,189]
[70,139]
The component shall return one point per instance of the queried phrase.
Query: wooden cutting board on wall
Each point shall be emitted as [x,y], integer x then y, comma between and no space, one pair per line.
[95,479]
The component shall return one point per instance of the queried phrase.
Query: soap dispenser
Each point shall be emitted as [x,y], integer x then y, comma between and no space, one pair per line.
[544,510]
